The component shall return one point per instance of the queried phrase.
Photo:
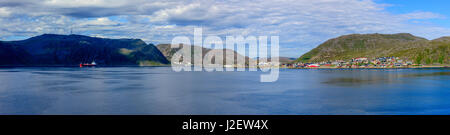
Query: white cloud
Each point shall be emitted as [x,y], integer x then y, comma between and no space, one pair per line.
[301,24]
[165,27]
[84,3]
[423,15]
[4,12]
[103,21]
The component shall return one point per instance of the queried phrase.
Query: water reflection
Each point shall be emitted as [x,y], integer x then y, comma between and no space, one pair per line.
[368,79]
[158,90]
[427,74]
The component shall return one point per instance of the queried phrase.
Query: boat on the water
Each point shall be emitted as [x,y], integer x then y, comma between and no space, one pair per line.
[93,64]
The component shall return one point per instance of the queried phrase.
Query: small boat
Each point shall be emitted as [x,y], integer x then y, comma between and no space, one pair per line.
[93,64]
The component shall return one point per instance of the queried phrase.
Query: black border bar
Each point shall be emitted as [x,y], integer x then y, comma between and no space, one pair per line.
[172,124]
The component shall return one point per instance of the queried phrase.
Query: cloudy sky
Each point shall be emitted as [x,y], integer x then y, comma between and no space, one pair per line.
[301,24]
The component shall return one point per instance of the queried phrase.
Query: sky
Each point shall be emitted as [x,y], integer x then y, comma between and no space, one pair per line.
[300,24]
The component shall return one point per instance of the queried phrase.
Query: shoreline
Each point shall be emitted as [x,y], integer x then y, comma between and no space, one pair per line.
[422,67]
[61,66]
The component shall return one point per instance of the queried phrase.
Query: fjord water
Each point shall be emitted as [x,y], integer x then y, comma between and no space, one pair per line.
[159,90]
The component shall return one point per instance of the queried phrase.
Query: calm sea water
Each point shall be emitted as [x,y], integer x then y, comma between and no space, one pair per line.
[159,90]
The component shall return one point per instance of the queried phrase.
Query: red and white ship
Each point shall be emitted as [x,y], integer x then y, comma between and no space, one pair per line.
[93,64]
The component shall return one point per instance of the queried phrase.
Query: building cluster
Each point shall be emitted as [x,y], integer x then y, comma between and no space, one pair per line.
[362,62]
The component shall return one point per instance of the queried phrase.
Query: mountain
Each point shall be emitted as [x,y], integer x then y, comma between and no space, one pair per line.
[169,52]
[13,55]
[286,59]
[282,60]
[403,45]
[71,50]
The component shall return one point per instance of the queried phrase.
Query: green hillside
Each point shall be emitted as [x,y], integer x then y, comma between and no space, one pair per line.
[406,46]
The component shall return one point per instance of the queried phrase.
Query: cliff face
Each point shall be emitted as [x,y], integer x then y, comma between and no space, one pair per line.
[71,50]
[403,45]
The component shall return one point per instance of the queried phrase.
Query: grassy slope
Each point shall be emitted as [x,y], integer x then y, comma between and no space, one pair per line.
[405,46]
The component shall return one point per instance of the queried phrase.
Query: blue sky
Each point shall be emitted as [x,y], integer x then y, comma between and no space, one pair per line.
[435,6]
[301,24]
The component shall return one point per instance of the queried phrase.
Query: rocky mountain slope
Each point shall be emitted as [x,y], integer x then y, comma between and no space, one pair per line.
[169,52]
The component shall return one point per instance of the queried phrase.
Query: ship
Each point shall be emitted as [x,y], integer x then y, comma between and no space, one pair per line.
[93,64]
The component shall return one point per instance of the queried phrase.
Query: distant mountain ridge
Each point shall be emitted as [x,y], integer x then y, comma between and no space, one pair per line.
[71,50]
[169,52]
[281,60]
[403,45]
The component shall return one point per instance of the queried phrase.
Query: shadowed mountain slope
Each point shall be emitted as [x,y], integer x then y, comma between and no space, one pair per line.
[71,50]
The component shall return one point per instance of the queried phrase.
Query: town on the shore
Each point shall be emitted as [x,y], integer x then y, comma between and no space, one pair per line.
[361,62]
